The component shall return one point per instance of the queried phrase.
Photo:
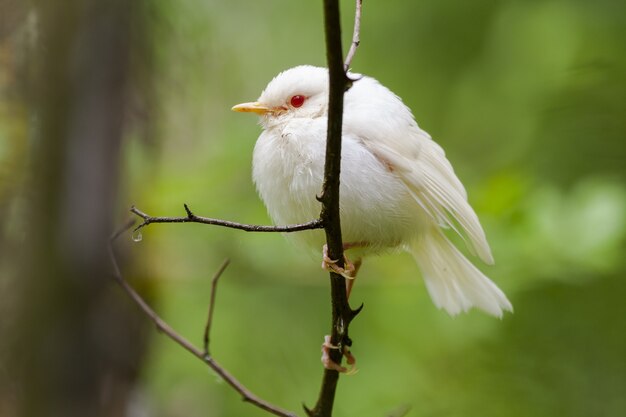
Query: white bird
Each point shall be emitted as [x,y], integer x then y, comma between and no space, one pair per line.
[397,189]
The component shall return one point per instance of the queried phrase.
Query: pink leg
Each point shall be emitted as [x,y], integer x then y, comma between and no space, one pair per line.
[349,273]
[350,281]
[350,269]
[331,265]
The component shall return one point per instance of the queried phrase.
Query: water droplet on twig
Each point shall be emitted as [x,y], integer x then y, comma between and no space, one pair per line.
[137,236]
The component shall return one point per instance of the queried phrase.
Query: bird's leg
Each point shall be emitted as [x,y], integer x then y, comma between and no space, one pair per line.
[326,360]
[349,270]
[331,264]
[330,364]
[350,281]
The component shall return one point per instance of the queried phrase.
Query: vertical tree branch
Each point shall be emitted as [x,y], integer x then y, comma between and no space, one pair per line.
[342,314]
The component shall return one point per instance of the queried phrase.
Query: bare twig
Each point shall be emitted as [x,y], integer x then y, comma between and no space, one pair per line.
[356,35]
[209,321]
[192,218]
[172,334]
[342,313]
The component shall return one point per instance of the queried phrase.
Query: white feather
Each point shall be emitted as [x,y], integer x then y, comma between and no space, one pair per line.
[421,163]
[454,284]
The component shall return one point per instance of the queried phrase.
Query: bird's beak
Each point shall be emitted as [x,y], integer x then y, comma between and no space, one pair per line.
[254,107]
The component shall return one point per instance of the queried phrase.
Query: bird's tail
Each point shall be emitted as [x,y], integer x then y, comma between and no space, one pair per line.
[453,283]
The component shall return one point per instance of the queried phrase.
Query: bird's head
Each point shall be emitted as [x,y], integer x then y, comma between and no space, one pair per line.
[297,92]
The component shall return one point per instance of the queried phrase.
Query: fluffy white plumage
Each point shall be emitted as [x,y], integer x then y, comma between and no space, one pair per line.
[397,187]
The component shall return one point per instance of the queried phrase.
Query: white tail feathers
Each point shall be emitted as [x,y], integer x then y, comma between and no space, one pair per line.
[453,283]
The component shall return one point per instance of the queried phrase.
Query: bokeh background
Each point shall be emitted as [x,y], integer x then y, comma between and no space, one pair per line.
[108,104]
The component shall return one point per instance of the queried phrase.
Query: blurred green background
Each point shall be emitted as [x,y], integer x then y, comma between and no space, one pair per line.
[528,98]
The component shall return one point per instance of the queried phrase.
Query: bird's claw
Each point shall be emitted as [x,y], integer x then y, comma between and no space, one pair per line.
[332,365]
[348,271]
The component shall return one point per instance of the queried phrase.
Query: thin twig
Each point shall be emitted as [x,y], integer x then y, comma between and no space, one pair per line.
[192,218]
[356,35]
[164,328]
[209,321]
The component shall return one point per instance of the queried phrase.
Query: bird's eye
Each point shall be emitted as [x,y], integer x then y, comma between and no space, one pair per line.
[297,101]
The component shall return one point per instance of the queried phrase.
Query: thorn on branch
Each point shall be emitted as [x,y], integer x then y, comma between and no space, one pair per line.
[354,313]
[188,211]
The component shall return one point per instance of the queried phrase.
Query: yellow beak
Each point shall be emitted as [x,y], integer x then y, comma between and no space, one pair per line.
[253,107]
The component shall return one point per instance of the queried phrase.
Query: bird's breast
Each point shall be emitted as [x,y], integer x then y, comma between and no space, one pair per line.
[288,169]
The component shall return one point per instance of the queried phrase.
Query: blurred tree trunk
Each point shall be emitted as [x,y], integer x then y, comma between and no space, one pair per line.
[71,356]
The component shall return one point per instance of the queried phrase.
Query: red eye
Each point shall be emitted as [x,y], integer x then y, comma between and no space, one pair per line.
[297,101]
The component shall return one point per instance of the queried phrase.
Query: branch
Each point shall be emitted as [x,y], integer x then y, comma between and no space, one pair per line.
[209,321]
[342,314]
[172,334]
[192,218]
[356,38]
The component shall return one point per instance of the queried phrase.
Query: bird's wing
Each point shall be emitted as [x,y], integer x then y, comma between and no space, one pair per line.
[431,180]
[387,128]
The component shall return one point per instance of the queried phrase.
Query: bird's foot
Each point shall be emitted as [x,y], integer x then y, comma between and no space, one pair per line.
[348,271]
[332,365]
